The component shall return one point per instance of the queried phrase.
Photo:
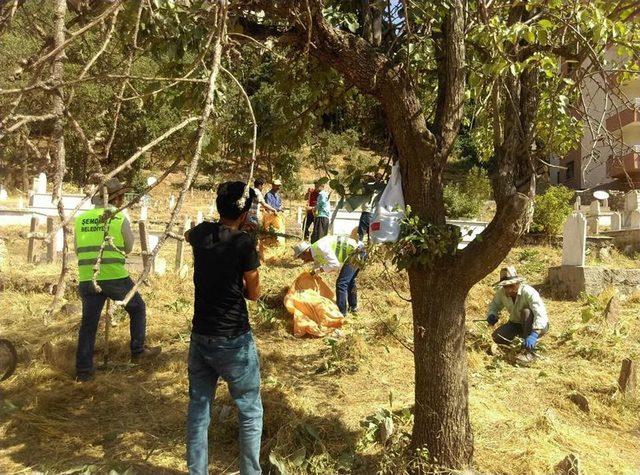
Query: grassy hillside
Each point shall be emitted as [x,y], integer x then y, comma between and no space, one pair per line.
[323,398]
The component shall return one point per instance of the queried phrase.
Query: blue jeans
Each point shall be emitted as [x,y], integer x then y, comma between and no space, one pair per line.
[236,361]
[346,288]
[92,304]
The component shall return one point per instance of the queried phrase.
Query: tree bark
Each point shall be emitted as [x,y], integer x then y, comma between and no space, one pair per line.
[441,421]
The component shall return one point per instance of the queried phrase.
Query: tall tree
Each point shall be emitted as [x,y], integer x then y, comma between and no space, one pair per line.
[511,53]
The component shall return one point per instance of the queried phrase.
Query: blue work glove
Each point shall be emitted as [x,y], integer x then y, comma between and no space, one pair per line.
[530,342]
[492,320]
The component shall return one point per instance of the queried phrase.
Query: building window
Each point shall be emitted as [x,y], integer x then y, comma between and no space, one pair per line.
[570,170]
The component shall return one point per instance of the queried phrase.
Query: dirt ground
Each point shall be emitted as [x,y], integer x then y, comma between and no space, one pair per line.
[316,392]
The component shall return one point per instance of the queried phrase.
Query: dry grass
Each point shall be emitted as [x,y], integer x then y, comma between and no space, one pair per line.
[134,417]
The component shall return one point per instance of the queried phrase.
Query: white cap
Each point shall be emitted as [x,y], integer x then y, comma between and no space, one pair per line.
[300,248]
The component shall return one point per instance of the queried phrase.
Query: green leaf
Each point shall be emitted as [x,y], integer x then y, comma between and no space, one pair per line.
[546,24]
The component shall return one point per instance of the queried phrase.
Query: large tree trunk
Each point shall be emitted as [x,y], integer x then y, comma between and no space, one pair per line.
[441,423]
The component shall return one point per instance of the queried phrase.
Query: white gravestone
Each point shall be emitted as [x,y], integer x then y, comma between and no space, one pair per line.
[577,204]
[632,201]
[634,219]
[42,183]
[574,240]
[21,203]
[143,212]
[35,184]
[593,225]
[594,208]
[172,202]
[152,180]
[59,240]
[616,222]
[3,194]
[160,266]
[199,217]
[153,241]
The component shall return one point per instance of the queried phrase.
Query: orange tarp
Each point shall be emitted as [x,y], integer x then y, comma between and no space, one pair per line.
[274,223]
[311,302]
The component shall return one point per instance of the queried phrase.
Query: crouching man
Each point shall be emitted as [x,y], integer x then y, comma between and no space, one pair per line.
[329,254]
[226,265]
[527,313]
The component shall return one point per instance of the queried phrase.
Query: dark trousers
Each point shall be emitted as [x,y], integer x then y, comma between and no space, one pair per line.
[92,303]
[320,229]
[505,334]
[346,288]
[308,222]
[363,225]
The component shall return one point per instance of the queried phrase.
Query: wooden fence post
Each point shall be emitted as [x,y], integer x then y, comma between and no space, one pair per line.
[51,245]
[32,240]
[180,246]
[144,244]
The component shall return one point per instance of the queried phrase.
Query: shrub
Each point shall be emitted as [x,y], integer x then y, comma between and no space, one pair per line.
[551,210]
[465,199]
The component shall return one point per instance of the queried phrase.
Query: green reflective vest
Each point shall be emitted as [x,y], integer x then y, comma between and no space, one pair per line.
[89,236]
[331,251]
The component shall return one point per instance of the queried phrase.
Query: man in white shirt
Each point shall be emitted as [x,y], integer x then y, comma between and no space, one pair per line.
[333,253]
[527,312]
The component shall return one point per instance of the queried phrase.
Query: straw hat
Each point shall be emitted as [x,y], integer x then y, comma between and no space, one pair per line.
[508,276]
[277,182]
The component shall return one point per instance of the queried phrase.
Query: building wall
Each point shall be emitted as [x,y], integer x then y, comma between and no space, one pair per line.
[590,159]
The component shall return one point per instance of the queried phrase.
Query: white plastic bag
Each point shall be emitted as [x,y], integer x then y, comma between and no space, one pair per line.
[385,223]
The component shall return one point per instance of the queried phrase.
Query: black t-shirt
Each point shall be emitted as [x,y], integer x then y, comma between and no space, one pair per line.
[221,256]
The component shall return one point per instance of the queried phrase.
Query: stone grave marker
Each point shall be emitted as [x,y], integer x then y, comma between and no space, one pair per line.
[574,240]
[616,222]
[153,241]
[143,212]
[172,202]
[634,219]
[41,183]
[199,217]
[593,225]
[628,379]
[577,204]
[594,208]
[3,194]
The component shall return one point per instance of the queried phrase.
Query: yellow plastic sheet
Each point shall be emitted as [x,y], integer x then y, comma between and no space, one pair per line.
[311,303]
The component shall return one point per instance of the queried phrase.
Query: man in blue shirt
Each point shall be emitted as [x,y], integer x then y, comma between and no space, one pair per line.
[273,197]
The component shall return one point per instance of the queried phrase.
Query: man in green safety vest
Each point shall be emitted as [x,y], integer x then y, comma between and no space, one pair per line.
[329,254]
[113,278]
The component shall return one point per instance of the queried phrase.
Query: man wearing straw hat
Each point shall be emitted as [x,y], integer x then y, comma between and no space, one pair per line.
[113,278]
[527,313]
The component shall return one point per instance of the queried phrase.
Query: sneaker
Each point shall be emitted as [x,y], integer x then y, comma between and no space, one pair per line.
[84,377]
[526,358]
[354,311]
[147,354]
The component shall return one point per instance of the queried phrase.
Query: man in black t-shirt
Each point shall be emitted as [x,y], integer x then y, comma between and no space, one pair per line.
[226,265]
